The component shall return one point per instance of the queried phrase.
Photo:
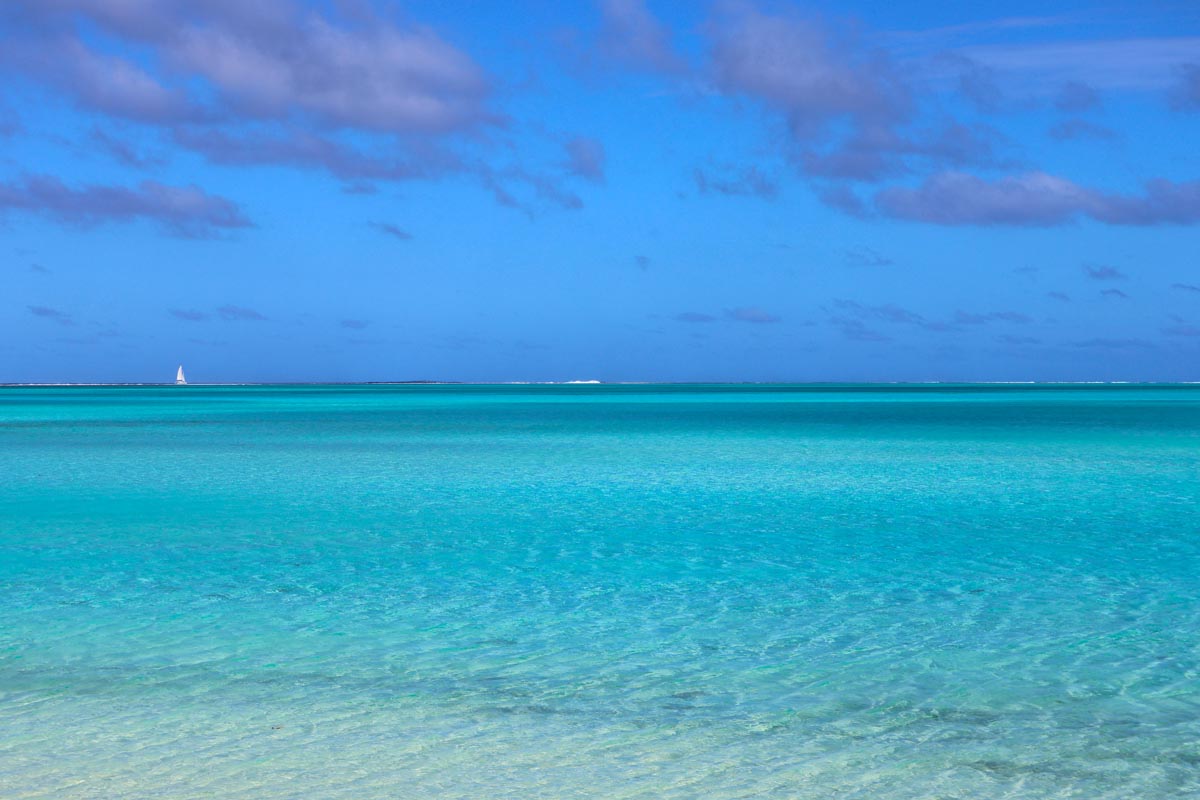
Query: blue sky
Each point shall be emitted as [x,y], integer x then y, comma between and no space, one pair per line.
[615,190]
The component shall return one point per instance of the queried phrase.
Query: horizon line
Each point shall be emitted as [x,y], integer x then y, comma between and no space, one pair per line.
[594,383]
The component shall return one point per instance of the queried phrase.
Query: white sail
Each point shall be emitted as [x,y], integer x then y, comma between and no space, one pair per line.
[179,379]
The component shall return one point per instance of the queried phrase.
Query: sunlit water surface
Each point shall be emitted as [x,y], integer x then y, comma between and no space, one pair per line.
[601,592]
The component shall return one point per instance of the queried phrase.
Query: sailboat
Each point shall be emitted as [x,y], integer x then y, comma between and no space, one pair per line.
[179,379]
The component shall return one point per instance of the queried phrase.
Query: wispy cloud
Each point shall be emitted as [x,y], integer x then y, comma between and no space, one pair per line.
[122,151]
[853,115]
[1185,94]
[337,88]
[1182,329]
[843,198]
[888,312]
[751,314]
[1075,97]
[272,61]
[1103,272]
[355,324]
[1102,343]
[189,315]
[876,153]
[866,257]
[969,318]
[1114,293]
[53,314]
[394,231]
[733,181]
[810,74]
[239,314]
[947,37]
[1129,64]
[1077,129]
[181,210]
[10,123]
[856,330]
[850,112]
[1186,287]
[898,315]
[694,316]
[631,35]
[1037,200]
[585,158]
[360,165]
[308,150]
[111,84]
[978,83]
[544,187]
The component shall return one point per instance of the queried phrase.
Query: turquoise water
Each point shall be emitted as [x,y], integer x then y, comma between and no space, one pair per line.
[602,592]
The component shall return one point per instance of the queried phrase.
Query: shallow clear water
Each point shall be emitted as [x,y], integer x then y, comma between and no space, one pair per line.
[617,592]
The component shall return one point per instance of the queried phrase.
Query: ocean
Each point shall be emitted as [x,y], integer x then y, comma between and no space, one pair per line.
[649,591]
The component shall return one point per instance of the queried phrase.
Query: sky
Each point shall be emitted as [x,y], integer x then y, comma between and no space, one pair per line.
[358,190]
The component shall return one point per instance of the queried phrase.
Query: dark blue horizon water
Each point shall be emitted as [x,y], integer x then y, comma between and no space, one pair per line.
[667,591]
